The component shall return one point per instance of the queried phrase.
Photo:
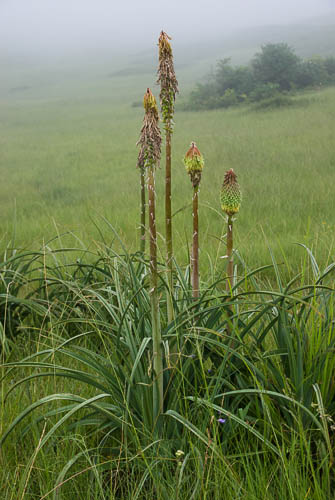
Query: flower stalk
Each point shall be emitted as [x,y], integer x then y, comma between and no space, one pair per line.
[142,215]
[195,244]
[194,164]
[142,229]
[169,88]
[230,256]
[149,157]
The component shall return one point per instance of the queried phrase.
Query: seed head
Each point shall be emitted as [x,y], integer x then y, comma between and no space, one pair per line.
[150,138]
[230,193]
[194,163]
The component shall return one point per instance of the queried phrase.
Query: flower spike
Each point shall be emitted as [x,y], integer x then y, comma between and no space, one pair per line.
[230,193]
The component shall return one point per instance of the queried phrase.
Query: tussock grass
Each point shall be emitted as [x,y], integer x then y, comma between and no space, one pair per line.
[248,391]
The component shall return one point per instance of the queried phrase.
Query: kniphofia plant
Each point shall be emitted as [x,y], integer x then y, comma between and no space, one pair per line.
[169,88]
[149,157]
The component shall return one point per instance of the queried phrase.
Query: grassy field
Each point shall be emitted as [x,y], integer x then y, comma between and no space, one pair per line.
[69,157]
[249,393]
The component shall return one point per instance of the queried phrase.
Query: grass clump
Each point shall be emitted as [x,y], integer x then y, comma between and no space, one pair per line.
[278,101]
[249,390]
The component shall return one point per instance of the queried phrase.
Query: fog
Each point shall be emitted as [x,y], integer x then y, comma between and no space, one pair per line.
[68,26]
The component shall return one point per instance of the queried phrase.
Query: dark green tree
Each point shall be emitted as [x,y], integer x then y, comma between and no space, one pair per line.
[276,63]
[312,72]
[330,67]
[240,78]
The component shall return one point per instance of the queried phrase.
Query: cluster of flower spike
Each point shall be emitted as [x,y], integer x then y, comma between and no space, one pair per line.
[194,163]
[150,138]
[230,193]
[167,79]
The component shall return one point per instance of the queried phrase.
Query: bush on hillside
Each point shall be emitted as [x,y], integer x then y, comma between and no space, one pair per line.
[241,78]
[276,63]
[330,68]
[311,73]
[264,91]
[274,70]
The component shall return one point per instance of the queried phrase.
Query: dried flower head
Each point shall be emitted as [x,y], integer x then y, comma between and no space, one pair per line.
[230,193]
[194,163]
[166,79]
[150,138]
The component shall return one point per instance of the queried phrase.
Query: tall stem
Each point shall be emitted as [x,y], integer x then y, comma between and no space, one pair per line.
[142,229]
[156,332]
[195,245]
[230,259]
[168,225]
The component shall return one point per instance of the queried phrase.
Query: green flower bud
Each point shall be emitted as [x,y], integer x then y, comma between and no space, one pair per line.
[194,163]
[230,193]
[149,103]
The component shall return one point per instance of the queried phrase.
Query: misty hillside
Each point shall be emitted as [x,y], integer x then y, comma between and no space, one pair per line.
[317,37]
[194,59]
[314,37]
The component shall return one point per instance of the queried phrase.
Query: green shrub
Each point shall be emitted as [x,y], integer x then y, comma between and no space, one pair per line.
[276,63]
[241,78]
[330,68]
[264,91]
[311,73]
[229,98]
